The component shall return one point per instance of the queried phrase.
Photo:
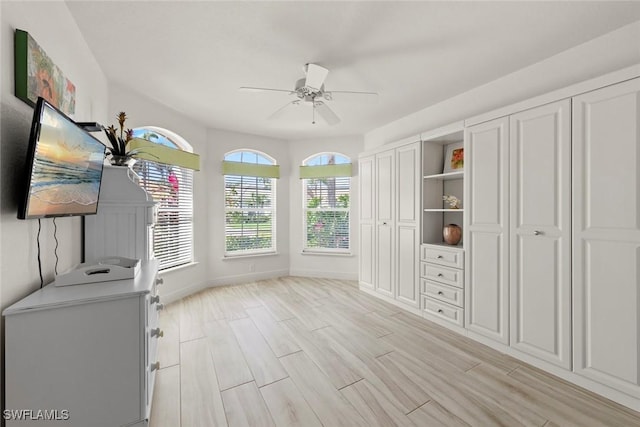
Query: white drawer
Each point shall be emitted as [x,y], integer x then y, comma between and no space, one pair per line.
[443,310]
[446,275]
[437,254]
[445,293]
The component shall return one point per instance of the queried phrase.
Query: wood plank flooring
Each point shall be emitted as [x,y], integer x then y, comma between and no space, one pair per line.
[317,352]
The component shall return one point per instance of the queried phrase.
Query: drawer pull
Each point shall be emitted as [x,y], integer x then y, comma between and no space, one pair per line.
[155,299]
[160,307]
[155,366]
[159,280]
[440,275]
[440,310]
[439,257]
[537,232]
[157,332]
[440,293]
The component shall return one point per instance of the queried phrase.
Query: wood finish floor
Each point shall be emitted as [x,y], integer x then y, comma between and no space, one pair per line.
[315,352]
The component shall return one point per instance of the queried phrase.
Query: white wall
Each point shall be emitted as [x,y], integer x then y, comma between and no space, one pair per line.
[143,111]
[340,267]
[610,52]
[234,270]
[56,32]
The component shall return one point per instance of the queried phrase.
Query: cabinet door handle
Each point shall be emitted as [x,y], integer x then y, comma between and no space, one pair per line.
[159,280]
[160,307]
[155,366]
[155,299]
[157,332]
[537,232]
[384,223]
[440,293]
[440,310]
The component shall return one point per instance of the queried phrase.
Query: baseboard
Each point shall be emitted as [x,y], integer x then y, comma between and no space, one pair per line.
[244,278]
[324,274]
[392,301]
[170,297]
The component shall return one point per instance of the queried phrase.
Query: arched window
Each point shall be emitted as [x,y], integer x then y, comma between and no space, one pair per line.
[172,188]
[250,202]
[326,184]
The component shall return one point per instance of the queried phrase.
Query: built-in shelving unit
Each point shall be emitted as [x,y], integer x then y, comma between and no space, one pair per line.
[437,183]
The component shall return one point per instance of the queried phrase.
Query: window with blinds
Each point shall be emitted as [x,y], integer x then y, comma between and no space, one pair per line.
[326,197]
[172,189]
[249,194]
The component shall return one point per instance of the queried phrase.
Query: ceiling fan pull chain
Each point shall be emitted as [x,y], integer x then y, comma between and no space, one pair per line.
[314,112]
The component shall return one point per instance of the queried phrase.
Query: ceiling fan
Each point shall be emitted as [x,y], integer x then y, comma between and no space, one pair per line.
[310,90]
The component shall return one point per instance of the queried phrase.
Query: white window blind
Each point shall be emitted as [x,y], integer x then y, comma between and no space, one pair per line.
[326,204]
[249,210]
[172,188]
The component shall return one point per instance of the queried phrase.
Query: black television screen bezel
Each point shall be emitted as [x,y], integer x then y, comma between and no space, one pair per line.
[34,137]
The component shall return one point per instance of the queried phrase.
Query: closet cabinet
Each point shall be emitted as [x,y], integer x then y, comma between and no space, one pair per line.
[519,281]
[390,219]
[540,232]
[606,235]
[486,230]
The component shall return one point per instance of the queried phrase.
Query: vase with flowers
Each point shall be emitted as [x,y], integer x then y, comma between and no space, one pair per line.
[452,201]
[119,156]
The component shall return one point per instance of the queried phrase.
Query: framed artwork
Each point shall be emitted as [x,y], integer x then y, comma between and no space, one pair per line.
[454,158]
[36,75]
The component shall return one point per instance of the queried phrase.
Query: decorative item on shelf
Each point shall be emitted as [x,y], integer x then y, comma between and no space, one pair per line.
[454,158]
[452,233]
[452,201]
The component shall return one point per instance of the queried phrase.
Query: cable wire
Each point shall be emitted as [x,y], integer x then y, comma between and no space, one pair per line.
[55,250]
[39,262]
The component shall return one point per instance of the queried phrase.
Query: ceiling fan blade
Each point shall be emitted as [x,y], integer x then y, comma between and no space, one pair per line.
[350,96]
[315,76]
[326,113]
[261,89]
[280,111]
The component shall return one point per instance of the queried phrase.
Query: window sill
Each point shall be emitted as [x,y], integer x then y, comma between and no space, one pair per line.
[178,267]
[322,253]
[254,255]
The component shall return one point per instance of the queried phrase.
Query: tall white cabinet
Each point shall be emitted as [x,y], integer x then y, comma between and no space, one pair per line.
[540,232]
[390,223]
[486,230]
[606,236]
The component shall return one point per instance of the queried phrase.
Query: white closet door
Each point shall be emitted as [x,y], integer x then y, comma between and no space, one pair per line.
[540,232]
[407,223]
[385,210]
[486,263]
[606,235]
[367,220]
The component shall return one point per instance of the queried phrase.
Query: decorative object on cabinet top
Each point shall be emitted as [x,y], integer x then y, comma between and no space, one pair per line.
[126,148]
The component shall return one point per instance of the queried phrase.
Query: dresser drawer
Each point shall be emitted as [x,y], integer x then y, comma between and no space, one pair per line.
[446,275]
[440,255]
[443,310]
[445,293]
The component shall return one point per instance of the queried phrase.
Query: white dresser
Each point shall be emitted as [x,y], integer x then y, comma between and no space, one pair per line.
[86,349]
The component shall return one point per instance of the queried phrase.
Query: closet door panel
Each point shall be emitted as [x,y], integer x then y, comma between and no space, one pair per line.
[606,233]
[385,212]
[486,270]
[540,232]
[367,221]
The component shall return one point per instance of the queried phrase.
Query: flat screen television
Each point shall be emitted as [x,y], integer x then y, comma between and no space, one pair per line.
[63,167]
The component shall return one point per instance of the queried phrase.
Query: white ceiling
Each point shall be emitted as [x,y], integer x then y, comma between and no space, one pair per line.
[193,56]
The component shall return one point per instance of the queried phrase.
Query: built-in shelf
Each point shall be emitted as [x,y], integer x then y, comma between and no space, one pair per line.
[446,245]
[444,210]
[446,176]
